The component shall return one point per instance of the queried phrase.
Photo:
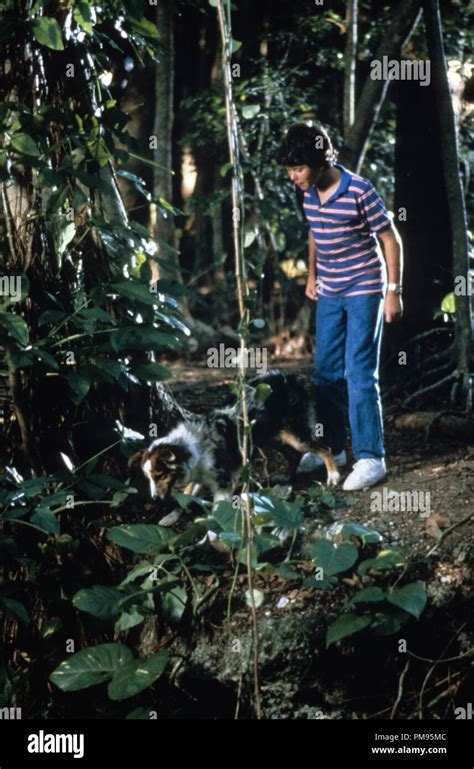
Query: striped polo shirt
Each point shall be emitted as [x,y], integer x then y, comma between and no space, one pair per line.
[348,257]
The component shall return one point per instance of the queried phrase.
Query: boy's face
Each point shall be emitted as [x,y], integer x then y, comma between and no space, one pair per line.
[304,176]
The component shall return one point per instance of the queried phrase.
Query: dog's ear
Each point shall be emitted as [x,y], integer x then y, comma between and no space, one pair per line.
[139,456]
[168,455]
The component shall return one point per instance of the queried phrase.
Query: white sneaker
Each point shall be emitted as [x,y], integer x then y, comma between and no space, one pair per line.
[310,462]
[365,473]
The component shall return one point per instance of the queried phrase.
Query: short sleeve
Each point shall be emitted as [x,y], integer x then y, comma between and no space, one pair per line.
[374,211]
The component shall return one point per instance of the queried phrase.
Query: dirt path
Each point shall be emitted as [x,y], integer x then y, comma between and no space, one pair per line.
[434,480]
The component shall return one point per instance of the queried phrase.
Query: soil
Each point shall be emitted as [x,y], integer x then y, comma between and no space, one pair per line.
[356,680]
[419,671]
[442,467]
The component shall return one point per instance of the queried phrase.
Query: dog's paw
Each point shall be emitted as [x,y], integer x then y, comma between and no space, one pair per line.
[281,533]
[213,540]
[210,536]
[333,478]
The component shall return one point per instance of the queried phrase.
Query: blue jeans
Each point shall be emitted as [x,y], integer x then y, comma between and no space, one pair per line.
[348,340]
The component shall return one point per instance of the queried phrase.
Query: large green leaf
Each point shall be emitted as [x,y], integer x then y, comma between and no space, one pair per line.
[345,625]
[412,598]
[47,358]
[153,372]
[140,537]
[48,32]
[319,584]
[57,200]
[15,325]
[80,385]
[99,151]
[140,570]
[134,290]
[50,627]
[93,181]
[24,143]
[65,234]
[173,604]
[45,519]
[387,559]
[15,608]
[369,595]
[99,600]
[368,536]
[51,316]
[142,338]
[108,366]
[90,666]
[278,512]
[143,27]
[83,16]
[129,619]
[136,676]
[334,558]
[170,320]
[263,542]
[228,517]
[35,486]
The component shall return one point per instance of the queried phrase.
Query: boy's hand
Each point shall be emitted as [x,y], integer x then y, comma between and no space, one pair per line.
[311,288]
[393,307]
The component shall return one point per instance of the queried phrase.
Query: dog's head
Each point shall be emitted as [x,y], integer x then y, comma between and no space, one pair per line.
[165,465]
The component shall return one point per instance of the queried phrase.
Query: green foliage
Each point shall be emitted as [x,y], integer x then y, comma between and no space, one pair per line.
[383,611]
[48,32]
[94,331]
[112,662]
[332,558]
[346,625]
[165,582]
[88,345]
[89,667]
[411,598]
[140,537]
[367,536]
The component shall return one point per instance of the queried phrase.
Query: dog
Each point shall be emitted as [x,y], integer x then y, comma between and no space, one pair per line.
[204,451]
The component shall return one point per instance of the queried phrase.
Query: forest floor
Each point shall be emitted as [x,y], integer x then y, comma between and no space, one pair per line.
[438,466]
[438,536]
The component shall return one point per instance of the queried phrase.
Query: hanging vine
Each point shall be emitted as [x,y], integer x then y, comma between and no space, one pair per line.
[224,18]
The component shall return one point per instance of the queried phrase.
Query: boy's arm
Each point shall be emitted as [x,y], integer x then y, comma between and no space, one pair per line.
[311,282]
[393,252]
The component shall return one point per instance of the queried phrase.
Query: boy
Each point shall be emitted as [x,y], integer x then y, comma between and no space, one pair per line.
[347,278]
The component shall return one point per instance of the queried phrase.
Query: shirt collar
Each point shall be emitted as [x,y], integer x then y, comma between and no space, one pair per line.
[344,183]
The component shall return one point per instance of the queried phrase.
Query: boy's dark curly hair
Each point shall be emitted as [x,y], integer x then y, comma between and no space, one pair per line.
[307,145]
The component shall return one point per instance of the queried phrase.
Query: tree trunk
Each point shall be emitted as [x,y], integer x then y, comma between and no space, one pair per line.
[427,249]
[374,91]
[351,63]
[456,204]
[163,223]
